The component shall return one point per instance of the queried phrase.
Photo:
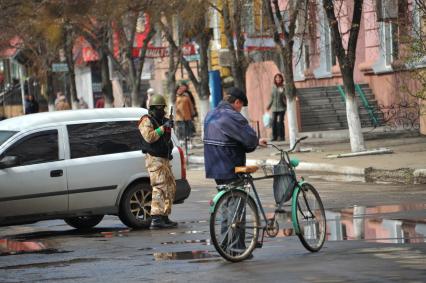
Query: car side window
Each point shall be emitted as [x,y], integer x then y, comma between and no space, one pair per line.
[100,138]
[36,148]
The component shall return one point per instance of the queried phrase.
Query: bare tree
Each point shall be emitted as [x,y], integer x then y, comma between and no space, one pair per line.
[121,19]
[194,26]
[232,16]
[287,29]
[346,57]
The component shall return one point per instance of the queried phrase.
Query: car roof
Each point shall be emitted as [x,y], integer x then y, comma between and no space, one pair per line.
[70,116]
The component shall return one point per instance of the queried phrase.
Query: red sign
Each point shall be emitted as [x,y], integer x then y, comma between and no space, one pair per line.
[188,49]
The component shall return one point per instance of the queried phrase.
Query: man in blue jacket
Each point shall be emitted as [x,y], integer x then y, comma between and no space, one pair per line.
[228,137]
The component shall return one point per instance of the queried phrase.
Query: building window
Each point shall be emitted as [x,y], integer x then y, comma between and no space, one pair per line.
[247,18]
[302,61]
[306,56]
[389,32]
[330,55]
[326,52]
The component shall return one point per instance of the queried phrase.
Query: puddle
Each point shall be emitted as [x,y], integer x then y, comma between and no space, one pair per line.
[185,255]
[11,247]
[111,234]
[400,224]
[196,241]
[92,233]
[188,232]
[146,249]
[62,263]
[403,223]
[339,178]
[194,222]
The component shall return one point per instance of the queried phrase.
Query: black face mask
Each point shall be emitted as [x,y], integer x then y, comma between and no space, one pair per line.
[158,113]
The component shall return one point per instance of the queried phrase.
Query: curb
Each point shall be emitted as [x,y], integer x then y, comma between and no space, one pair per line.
[369,175]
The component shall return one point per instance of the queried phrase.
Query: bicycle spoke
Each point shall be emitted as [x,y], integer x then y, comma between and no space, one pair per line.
[234,226]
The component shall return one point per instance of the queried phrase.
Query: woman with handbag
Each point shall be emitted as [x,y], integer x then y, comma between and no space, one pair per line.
[278,105]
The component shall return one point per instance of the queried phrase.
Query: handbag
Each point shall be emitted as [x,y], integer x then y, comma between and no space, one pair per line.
[266,119]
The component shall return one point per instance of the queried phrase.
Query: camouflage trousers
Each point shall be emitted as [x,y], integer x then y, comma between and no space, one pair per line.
[163,184]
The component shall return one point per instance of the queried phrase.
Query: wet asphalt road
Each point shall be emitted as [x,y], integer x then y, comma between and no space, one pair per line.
[384,242]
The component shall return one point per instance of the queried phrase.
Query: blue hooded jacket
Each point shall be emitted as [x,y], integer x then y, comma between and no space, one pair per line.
[227,138]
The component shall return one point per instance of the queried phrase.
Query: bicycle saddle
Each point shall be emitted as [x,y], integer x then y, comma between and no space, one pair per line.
[246,169]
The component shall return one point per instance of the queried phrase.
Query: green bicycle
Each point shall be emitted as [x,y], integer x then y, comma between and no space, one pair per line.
[234,220]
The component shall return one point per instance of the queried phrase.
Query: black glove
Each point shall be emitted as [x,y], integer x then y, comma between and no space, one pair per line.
[169,124]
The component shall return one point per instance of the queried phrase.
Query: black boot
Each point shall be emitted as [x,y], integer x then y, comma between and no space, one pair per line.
[158,222]
[170,222]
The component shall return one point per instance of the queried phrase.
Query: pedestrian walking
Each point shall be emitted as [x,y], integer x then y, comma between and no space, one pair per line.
[278,105]
[157,145]
[62,103]
[31,104]
[184,115]
[100,102]
[184,88]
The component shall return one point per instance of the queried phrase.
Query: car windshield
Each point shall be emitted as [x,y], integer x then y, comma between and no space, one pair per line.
[5,135]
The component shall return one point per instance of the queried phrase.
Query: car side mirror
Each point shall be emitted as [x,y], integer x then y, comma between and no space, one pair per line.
[9,161]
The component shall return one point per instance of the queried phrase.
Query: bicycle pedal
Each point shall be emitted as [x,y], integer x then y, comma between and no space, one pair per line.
[280,210]
[259,245]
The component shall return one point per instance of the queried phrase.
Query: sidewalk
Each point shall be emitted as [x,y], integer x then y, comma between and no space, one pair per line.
[405,165]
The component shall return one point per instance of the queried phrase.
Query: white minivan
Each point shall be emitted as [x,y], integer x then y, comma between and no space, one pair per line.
[78,165]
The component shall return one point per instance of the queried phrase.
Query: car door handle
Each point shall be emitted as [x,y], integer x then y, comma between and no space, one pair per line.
[56,173]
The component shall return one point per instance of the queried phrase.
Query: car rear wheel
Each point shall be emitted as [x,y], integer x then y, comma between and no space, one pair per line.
[84,222]
[135,206]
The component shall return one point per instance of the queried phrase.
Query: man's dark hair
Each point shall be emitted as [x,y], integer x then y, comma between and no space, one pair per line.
[234,93]
[227,97]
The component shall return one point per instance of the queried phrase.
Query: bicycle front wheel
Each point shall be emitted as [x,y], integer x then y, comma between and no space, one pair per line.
[234,225]
[309,218]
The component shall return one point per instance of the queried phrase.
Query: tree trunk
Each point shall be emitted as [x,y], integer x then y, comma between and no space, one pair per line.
[171,76]
[49,91]
[204,109]
[134,94]
[106,82]
[71,71]
[346,60]
[290,90]
[354,123]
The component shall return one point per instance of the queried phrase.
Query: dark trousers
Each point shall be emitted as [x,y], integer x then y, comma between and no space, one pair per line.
[238,237]
[278,125]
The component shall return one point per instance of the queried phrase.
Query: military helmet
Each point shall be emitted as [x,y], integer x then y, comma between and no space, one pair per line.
[156,100]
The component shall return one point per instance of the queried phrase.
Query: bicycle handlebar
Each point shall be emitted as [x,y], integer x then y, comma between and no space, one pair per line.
[294,146]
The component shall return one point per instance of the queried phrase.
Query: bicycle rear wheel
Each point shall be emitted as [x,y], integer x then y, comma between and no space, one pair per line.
[234,225]
[310,218]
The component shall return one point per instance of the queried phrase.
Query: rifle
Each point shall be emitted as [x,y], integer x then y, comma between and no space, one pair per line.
[171,116]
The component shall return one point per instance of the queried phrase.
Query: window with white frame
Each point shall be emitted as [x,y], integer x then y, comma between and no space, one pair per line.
[387,15]
[389,33]
[302,61]
[327,58]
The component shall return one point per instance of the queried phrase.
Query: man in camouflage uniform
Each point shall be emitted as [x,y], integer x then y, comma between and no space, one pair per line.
[157,144]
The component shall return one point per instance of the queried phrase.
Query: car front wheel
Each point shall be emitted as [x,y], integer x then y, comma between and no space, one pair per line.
[84,222]
[135,206]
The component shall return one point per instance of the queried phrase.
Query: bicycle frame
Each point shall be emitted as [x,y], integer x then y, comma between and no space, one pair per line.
[248,179]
